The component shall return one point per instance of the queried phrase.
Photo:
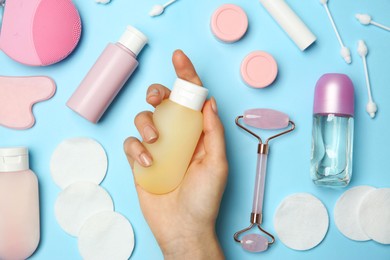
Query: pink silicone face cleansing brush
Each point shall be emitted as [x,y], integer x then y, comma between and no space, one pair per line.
[39,32]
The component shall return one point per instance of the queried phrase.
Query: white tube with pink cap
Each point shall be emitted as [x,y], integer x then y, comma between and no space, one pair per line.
[289,21]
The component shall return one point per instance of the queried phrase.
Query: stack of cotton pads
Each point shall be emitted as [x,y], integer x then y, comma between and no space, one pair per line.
[84,209]
[363,213]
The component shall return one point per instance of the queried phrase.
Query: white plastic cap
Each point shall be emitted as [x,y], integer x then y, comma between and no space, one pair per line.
[188,94]
[14,159]
[133,40]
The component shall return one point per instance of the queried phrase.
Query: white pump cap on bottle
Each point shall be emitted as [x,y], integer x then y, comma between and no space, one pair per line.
[133,39]
[188,94]
[14,159]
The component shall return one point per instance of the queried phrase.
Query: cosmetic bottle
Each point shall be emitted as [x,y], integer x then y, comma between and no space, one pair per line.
[179,121]
[107,76]
[290,22]
[332,137]
[19,205]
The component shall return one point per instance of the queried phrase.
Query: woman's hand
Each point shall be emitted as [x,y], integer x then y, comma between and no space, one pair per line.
[183,221]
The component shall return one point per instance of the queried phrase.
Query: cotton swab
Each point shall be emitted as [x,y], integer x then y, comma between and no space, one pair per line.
[2,4]
[345,52]
[159,9]
[103,1]
[365,19]
[371,107]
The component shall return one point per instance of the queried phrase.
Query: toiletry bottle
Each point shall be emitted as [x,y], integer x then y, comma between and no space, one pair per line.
[19,205]
[179,121]
[106,78]
[332,140]
[290,22]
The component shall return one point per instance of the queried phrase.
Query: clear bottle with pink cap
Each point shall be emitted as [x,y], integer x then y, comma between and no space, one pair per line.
[19,205]
[108,75]
[332,138]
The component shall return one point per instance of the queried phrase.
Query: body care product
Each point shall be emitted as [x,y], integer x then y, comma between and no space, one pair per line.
[106,78]
[331,158]
[179,121]
[229,23]
[19,205]
[259,69]
[290,22]
[39,32]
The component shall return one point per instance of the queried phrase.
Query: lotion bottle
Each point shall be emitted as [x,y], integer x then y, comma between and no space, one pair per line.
[19,205]
[107,76]
[332,138]
[179,121]
[290,22]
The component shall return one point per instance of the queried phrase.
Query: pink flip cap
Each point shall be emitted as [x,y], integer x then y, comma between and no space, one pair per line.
[229,23]
[334,94]
[259,69]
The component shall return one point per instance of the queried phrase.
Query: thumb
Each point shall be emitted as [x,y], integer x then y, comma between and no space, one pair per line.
[214,139]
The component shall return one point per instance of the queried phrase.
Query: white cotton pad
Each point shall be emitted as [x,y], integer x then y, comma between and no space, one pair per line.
[77,203]
[374,215]
[78,159]
[301,221]
[106,235]
[346,213]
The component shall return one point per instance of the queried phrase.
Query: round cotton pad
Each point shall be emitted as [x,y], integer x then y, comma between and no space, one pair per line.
[229,23]
[77,203]
[106,235]
[374,215]
[78,159]
[346,212]
[301,221]
[259,69]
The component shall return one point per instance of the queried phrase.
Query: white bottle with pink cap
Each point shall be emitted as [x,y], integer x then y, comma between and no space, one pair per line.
[19,205]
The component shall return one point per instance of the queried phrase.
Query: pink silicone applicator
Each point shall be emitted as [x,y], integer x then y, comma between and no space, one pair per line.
[39,32]
[264,119]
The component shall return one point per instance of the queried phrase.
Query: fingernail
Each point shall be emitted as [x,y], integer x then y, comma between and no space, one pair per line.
[214,105]
[153,92]
[145,160]
[149,134]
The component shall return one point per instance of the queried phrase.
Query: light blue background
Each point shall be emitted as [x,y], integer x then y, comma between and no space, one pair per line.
[185,25]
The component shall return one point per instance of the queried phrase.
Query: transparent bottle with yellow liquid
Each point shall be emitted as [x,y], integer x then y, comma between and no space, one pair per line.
[179,121]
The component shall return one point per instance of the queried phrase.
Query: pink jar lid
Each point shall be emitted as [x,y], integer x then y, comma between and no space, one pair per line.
[229,23]
[259,69]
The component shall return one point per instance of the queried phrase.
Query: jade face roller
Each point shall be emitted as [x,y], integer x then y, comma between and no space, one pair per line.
[270,120]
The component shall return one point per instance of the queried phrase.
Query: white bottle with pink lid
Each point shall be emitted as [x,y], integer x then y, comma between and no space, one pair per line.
[19,205]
